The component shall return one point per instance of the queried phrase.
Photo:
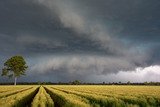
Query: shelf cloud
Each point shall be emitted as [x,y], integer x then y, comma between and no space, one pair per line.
[63,40]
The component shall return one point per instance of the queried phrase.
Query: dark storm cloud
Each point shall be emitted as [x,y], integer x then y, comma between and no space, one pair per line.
[71,38]
[30,22]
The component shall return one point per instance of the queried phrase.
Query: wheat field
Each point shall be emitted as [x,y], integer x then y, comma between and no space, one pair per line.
[79,96]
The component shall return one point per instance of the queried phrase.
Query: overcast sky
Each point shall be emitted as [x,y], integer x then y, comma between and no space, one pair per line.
[88,40]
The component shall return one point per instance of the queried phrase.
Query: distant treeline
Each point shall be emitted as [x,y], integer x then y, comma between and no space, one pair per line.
[77,82]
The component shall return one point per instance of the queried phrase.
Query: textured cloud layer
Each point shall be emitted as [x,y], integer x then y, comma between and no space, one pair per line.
[79,21]
[80,39]
[84,64]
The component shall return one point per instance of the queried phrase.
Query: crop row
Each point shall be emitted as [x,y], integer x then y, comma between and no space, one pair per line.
[116,90]
[113,100]
[19,99]
[32,96]
[42,99]
[99,101]
[63,99]
[4,89]
[12,92]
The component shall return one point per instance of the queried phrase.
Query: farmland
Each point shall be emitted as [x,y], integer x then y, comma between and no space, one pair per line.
[79,96]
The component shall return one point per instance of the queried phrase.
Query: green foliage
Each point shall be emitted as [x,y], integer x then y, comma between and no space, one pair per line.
[15,66]
[76,82]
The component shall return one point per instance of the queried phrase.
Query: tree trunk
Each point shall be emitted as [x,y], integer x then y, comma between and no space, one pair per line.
[15,80]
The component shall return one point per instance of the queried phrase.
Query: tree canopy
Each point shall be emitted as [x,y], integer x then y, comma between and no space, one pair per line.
[14,67]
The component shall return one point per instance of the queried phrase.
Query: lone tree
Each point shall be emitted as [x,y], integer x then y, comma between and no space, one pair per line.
[14,67]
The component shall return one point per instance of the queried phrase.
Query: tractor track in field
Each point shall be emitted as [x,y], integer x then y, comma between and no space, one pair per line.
[82,96]
[15,92]
[126,101]
[5,91]
[54,97]
[18,100]
[29,102]
[60,97]
[92,101]
[62,100]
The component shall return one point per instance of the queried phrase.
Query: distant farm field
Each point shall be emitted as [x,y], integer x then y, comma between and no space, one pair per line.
[79,96]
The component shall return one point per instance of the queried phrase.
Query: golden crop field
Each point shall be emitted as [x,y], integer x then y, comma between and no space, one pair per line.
[79,96]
